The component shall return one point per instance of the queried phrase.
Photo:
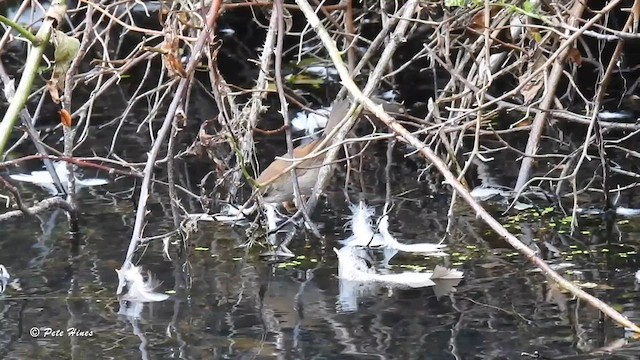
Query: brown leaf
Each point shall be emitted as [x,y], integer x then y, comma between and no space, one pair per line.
[531,88]
[174,66]
[170,57]
[477,21]
[52,87]
[574,56]
[65,118]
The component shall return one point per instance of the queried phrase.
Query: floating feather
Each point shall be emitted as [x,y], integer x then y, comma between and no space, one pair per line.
[232,213]
[272,224]
[484,193]
[352,267]
[45,181]
[311,122]
[139,289]
[362,228]
[390,241]
[4,278]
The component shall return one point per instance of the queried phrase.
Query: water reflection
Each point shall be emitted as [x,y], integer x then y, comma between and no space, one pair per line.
[239,307]
[230,303]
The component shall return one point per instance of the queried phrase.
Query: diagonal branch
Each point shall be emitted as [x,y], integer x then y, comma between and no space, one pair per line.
[404,135]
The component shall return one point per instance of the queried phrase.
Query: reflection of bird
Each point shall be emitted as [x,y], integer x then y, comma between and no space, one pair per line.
[44,179]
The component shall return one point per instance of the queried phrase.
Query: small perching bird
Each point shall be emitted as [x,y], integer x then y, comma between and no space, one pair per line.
[276,182]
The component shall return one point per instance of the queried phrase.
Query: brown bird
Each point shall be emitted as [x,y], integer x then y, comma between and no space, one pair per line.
[280,190]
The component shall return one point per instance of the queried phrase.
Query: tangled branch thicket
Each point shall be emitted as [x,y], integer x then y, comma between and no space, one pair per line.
[491,74]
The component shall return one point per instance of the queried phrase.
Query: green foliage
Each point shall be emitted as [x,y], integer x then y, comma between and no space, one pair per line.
[455,3]
[67,48]
[528,7]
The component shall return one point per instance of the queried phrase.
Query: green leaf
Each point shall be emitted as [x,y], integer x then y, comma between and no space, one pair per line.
[528,6]
[454,3]
[67,48]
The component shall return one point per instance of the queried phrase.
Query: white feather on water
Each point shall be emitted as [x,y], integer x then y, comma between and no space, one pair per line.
[43,179]
[4,278]
[351,266]
[139,289]
[273,217]
[362,228]
[364,235]
[484,193]
[620,211]
[228,214]
[390,241]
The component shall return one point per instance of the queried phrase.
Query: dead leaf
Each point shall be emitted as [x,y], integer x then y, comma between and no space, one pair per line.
[65,118]
[52,87]
[477,21]
[574,56]
[531,88]
[170,56]
[174,66]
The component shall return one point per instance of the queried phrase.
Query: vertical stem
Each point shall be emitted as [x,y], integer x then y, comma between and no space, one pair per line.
[547,102]
[54,15]
[203,39]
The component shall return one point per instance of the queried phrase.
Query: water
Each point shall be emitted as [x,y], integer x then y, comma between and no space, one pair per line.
[229,304]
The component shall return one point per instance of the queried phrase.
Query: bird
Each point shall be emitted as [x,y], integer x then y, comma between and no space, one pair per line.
[276,183]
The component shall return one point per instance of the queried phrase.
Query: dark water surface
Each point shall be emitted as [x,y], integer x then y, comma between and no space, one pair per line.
[230,304]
